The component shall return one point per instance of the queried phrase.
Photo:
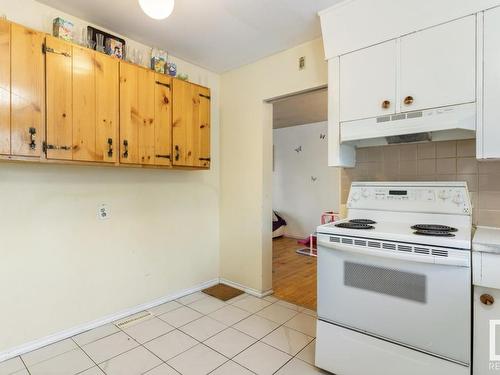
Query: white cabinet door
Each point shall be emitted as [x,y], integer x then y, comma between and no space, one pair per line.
[438,66]
[487,141]
[483,314]
[367,80]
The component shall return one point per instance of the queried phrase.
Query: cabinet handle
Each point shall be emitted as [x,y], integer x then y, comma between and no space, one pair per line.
[409,100]
[32,132]
[386,104]
[110,147]
[125,146]
[177,152]
[487,299]
[56,147]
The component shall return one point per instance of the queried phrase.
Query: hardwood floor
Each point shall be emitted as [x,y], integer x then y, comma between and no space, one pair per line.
[294,275]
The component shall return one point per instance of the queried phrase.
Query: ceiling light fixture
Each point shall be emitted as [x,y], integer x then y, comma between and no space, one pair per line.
[157,9]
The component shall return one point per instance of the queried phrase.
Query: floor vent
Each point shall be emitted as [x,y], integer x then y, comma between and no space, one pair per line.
[134,319]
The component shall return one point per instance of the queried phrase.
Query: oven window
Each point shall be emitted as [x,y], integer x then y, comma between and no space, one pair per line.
[406,285]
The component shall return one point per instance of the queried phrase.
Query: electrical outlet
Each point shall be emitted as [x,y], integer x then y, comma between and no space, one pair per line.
[302,63]
[104,212]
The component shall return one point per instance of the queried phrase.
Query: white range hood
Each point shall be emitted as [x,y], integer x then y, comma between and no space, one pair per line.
[439,124]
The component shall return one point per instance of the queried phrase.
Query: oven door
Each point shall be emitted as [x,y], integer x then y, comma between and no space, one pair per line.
[403,298]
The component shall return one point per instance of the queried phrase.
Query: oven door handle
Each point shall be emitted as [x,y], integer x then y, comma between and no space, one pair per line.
[324,241]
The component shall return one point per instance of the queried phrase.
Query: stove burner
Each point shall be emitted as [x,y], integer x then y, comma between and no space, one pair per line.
[434,233]
[354,226]
[434,228]
[362,221]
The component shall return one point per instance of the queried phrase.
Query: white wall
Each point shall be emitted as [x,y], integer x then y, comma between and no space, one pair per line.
[61,267]
[246,153]
[298,198]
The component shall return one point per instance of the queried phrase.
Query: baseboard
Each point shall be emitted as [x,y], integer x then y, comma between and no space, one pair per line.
[253,292]
[37,344]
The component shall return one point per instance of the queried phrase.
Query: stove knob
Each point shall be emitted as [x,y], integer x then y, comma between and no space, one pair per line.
[444,195]
[356,196]
[458,199]
[366,193]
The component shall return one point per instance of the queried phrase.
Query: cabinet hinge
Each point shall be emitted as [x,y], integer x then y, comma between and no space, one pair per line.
[52,50]
[163,156]
[205,96]
[204,159]
[162,84]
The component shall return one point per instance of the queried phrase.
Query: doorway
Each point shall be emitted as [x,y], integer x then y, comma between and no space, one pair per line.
[303,188]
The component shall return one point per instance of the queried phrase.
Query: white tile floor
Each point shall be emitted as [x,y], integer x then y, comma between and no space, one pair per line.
[194,335]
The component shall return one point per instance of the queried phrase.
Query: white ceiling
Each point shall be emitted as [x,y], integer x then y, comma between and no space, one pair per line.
[216,34]
[301,109]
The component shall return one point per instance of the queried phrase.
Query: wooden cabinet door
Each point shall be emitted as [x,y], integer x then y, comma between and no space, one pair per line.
[368,82]
[137,110]
[185,114]
[204,128]
[84,104]
[4,87]
[107,108]
[27,92]
[59,99]
[163,119]
[438,66]
[146,115]
[129,114]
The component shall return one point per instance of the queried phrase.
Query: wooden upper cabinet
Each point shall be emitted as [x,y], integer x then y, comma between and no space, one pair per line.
[5,87]
[22,90]
[145,116]
[205,128]
[163,119]
[107,108]
[59,99]
[28,92]
[191,125]
[82,103]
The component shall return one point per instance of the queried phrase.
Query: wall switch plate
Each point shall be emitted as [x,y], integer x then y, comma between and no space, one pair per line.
[302,63]
[104,212]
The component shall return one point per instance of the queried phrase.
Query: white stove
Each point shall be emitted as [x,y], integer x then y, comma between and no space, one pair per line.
[394,282]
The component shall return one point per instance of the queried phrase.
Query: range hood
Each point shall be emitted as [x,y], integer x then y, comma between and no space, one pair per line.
[439,124]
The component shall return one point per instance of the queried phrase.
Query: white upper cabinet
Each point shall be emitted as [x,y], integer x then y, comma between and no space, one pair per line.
[437,66]
[368,82]
[488,132]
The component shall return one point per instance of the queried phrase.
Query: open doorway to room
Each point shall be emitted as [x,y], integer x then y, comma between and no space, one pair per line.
[304,187]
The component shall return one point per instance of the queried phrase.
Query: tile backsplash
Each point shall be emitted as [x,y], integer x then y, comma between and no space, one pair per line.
[433,161]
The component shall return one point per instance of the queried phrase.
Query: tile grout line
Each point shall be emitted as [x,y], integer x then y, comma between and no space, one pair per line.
[96,365]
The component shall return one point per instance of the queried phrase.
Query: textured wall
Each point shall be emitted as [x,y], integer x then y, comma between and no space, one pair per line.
[434,161]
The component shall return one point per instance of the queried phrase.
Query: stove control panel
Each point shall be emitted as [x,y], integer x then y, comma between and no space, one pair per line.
[432,197]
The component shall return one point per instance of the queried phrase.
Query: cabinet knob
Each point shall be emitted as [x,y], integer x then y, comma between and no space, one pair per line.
[386,104]
[487,299]
[409,100]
